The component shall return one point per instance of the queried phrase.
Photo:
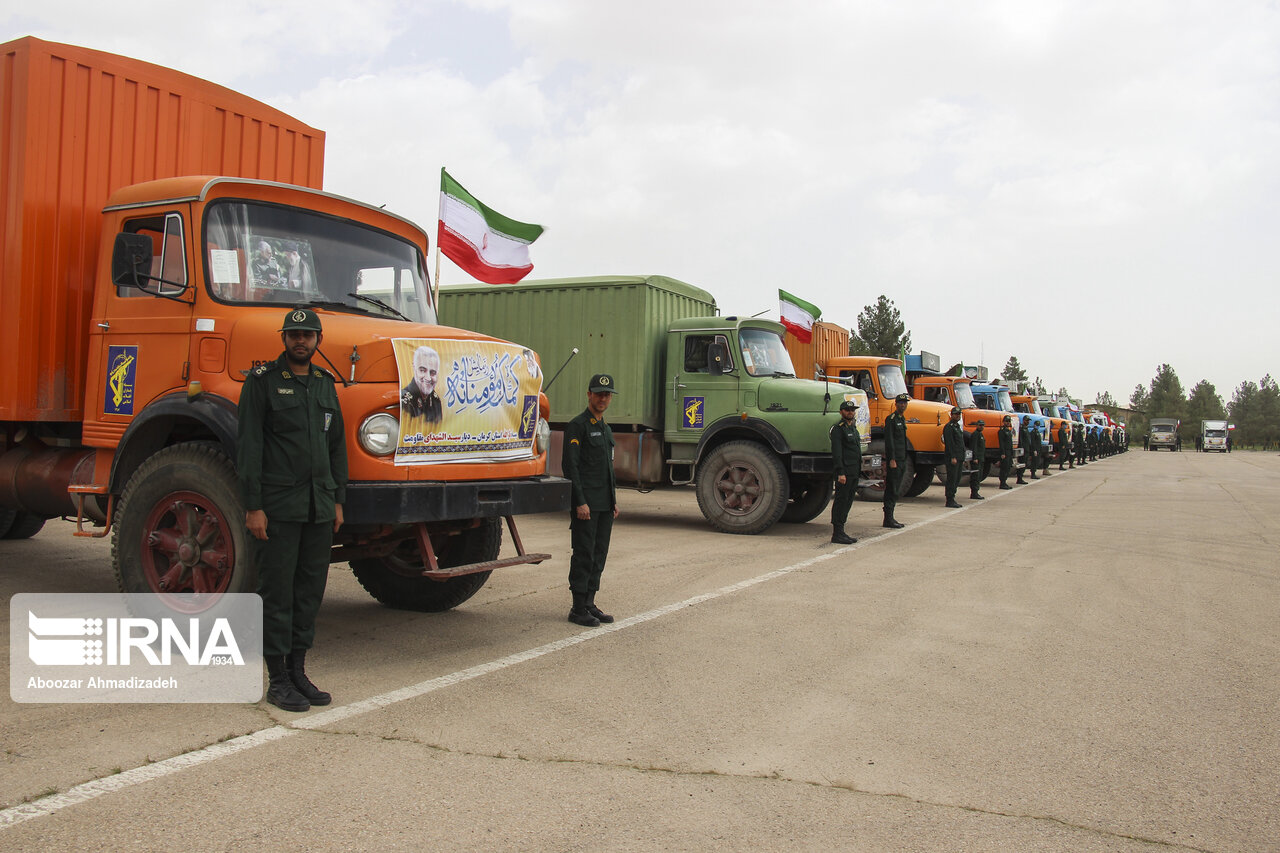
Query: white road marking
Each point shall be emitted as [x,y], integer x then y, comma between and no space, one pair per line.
[110,784]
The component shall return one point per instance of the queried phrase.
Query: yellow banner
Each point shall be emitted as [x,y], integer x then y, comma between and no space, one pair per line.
[465,401]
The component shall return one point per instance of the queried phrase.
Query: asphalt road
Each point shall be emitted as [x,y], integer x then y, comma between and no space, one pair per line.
[1091,662]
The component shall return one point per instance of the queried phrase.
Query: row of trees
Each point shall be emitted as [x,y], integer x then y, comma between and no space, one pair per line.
[1254,408]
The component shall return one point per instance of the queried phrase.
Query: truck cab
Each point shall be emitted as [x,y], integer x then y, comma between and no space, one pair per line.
[957,391]
[998,396]
[883,379]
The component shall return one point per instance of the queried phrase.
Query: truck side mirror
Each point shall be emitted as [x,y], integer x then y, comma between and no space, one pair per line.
[131,258]
[716,358]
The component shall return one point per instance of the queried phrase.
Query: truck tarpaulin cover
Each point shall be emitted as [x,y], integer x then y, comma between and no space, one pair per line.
[465,401]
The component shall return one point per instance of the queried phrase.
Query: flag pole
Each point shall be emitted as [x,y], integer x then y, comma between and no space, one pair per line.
[435,285]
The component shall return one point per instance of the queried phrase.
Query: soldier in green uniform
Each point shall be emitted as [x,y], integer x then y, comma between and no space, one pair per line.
[1077,439]
[292,461]
[1024,441]
[1005,437]
[953,449]
[895,457]
[1032,449]
[978,444]
[588,464]
[1064,445]
[846,464]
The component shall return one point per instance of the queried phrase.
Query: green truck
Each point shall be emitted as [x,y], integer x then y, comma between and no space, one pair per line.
[703,400]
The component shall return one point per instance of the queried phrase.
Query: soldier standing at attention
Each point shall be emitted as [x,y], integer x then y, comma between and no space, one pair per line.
[953,448]
[978,444]
[292,462]
[1033,448]
[1005,437]
[1064,442]
[588,465]
[1025,443]
[895,455]
[1078,439]
[846,464]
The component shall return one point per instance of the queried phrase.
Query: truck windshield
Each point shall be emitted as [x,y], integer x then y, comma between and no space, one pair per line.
[1161,428]
[1216,433]
[964,396]
[1006,402]
[268,253]
[891,381]
[763,353]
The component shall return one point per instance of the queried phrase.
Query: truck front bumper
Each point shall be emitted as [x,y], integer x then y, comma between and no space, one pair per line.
[408,503]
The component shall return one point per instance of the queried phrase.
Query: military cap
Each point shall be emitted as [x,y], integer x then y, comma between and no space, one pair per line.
[301,318]
[601,383]
[1008,419]
[981,422]
[955,410]
[902,398]
[849,404]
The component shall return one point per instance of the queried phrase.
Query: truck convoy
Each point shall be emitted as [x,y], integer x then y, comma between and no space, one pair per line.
[996,395]
[702,399]
[950,390]
[156,230]
[1213,436]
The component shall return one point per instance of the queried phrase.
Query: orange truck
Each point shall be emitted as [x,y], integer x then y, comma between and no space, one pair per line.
[882,379]
[156,230]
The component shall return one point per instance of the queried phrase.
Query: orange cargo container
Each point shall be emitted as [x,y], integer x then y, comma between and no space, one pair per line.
[829,341]
[76,125]
[143,211]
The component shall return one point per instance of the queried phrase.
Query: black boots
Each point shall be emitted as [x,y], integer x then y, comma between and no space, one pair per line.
[974,496]
[296,665]
[600,615]
[839,537]
[584,611]
[1005,485]
[890,521]
[280,689]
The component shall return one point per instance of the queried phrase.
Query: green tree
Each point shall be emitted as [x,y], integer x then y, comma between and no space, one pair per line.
[1104,398]
[1204,403]
[881,330]
[1242,410]
[1139,398]
[1268,415]
[1013,373]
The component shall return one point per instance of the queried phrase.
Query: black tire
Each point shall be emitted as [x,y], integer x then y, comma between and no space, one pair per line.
[396,580]
[180,528]
[24,525]
[742,488]
[6,519]
[808,499]
[920,482]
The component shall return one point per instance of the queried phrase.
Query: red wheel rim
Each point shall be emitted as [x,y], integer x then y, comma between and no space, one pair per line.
[187,551]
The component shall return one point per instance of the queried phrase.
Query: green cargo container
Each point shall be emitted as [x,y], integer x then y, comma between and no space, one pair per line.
[601,316]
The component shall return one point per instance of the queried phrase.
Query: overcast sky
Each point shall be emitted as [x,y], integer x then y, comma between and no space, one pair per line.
[1086,185]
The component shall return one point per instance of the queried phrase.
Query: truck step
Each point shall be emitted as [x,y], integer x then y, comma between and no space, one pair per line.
[488,565]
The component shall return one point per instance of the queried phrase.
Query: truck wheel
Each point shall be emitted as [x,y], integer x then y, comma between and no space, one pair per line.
[921,481]
[396,580]
[6,519]
[180,525]
[808,499]
[24,525]
[742,487]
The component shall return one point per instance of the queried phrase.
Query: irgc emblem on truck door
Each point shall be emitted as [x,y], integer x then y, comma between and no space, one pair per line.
[122,372]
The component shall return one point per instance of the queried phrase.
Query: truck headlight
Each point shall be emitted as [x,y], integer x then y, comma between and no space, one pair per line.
[379,434]
[542,436]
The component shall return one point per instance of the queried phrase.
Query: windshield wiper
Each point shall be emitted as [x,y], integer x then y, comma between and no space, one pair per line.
[380,304]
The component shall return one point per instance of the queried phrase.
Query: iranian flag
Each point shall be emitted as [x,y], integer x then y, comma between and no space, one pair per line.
[798,316]
[488,246]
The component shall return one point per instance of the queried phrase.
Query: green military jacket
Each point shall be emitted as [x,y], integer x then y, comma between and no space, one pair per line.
[953,441]
[1063,438]
[1033,440]
[895,437]
[292,451]
[978,444]
[1006,441]
[846,449]
[588,462]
